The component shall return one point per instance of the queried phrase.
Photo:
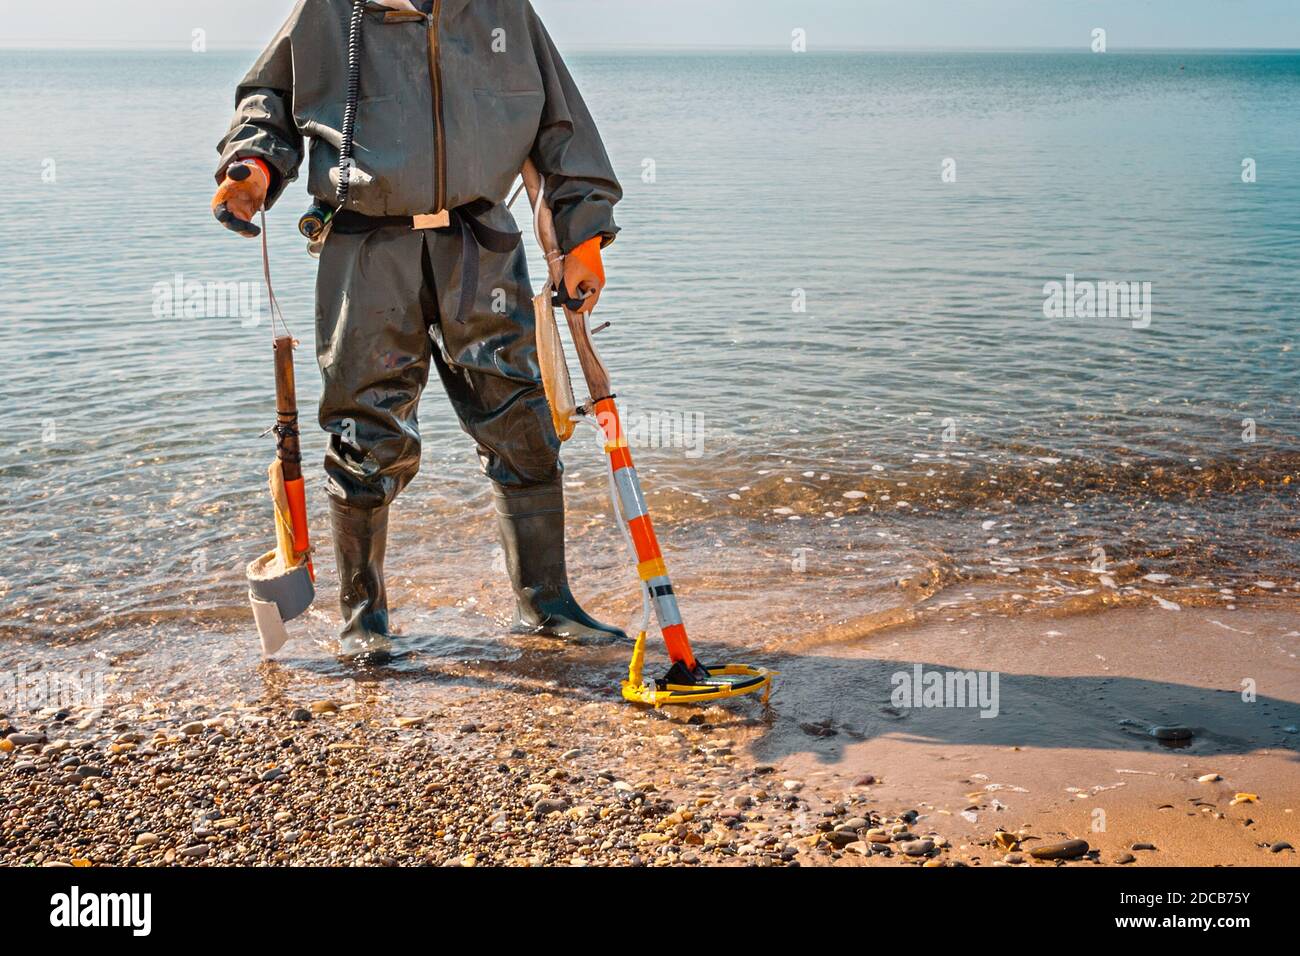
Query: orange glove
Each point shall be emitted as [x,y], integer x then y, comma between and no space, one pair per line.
[241,195]
[584,273]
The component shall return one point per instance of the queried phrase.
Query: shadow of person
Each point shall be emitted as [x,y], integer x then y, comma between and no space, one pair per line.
[822,704]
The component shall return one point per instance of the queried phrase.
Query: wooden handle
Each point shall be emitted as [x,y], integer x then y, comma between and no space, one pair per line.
[286,409]
[593,369]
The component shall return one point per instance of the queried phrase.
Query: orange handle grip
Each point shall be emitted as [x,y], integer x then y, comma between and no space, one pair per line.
[297,495]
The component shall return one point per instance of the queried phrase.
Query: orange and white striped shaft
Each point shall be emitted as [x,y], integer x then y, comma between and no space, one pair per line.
[650,560]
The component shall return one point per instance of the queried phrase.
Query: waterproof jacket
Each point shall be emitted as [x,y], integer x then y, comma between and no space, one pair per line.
[450,104]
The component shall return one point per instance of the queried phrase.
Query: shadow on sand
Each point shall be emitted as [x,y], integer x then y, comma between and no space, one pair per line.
[823,704]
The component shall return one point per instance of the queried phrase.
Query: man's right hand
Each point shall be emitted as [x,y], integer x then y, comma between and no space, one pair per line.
[241,195]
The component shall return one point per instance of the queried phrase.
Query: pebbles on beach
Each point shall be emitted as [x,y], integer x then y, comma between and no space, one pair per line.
[273,785]
[546,781]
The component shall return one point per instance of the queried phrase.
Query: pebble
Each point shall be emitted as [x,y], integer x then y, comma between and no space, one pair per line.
[300,715]
[544,808]
[1172,733]
[324,707]
[193,728]
[1143,846]
[1208,778]
[917,847]
[1280,846]
[818,730]
[147,839]
[1125,858]
[25,740]
[841,838]
[793,786]
[1068,850]
[273,774]
[195,852]
[865,780]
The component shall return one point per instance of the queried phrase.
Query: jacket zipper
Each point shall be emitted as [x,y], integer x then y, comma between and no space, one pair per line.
[439,136]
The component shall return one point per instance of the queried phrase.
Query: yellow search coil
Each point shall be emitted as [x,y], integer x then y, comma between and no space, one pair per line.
[730,680]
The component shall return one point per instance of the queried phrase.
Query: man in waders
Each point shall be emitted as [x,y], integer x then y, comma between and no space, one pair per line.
[434,106]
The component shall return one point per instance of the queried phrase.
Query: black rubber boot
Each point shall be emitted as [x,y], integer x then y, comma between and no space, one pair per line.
[532,533]
[359,538]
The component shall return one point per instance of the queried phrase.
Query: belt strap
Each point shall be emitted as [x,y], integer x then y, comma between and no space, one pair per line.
[475,235]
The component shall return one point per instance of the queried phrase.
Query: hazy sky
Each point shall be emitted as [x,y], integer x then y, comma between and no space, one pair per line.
[713,23]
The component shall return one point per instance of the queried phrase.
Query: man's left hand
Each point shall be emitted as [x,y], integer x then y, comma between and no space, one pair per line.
[584,274]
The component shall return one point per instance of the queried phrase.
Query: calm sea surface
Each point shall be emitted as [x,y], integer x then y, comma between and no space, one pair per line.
[852,408]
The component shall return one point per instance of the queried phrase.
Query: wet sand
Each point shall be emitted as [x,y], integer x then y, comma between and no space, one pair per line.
[1070,754]
[519,752]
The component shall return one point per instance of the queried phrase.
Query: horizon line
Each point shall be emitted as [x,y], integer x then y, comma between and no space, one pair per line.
[60,46]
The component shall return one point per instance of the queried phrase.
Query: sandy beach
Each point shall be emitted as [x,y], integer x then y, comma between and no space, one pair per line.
[535,760]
